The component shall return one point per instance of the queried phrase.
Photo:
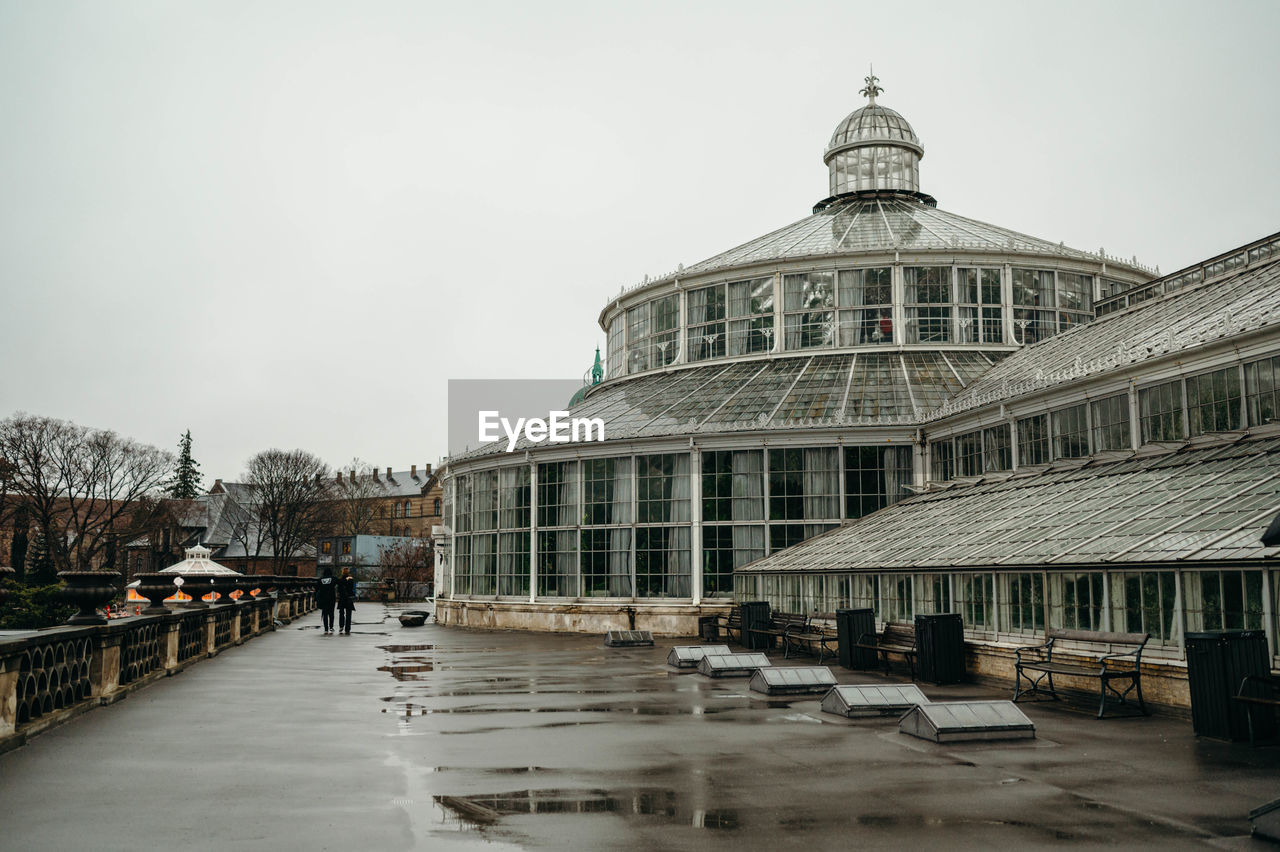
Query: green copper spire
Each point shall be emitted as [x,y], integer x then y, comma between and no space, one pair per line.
[597,369]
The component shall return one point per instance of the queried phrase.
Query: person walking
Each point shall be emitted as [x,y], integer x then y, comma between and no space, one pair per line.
[346,600]
[326,597]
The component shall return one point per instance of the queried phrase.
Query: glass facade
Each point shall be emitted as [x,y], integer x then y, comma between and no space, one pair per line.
[622,526]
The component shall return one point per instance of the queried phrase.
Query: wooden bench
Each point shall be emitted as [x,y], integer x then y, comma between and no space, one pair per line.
[1258,691]
[780,624]
[1035,665]
[895,639]
[819,640]
[731,623]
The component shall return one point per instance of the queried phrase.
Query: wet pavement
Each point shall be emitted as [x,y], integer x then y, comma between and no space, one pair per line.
[441,738]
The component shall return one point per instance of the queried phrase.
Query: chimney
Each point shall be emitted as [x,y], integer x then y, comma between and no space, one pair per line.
[337,477]
[413,471]
[217,487]
[388,474]
[353,476]
[317,477]
[426,470]
[375,473]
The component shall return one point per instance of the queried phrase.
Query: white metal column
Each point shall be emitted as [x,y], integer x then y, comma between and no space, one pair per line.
[695,518]
[533,531]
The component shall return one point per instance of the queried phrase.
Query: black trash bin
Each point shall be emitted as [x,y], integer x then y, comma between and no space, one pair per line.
[755,614]
[940,647]
[1217,661]
[852,625]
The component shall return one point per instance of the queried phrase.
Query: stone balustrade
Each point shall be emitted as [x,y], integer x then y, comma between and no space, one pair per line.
[49,676]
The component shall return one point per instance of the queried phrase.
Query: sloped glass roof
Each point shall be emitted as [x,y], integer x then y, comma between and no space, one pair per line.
[794,392]
[1198,503]
[881,224]
[1182,320]
[873,123]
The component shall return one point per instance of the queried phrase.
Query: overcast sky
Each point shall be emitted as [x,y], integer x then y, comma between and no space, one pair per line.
[287,224]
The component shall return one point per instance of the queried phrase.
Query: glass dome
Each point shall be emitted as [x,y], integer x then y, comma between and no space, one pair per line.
[874,148]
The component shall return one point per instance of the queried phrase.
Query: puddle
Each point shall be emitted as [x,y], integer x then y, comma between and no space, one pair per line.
[485,810]
[407,672]
[399,649]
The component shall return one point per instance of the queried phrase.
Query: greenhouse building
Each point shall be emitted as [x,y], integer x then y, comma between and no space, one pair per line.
[892,406]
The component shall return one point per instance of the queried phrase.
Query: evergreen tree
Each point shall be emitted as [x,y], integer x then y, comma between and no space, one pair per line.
[39,562]
[185,484]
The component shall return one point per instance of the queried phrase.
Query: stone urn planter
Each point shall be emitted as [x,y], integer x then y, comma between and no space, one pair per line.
[88,590]
[197,586]
[224,585]
[264,583]
[155,588]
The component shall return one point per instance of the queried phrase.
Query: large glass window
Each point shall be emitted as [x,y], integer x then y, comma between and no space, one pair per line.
[1033,440]
[462,514]
[1075,299]
[975,597]
[725,548]
[979,296]
[662,562]
[1071,432]
[942,460]
[558,494]
[1213,401]
[1143,602]
[617,345]
[513,498]
[866,306]
[557,563]
[462,565]
[1262,390]
[808,302]
[662,488]
[928,303]
[484,564]
[1111,423]
[653,330]
[1223,600]
[1160,409]
[996,452]
[513,563]
[864,592]
[1075,600]
[874,477]
[1033,305]
[804,484]
[606,562]
[707,323]
[969,454]
[1022,603]
[782,536]
[751,316]
[732,485]
[606,491]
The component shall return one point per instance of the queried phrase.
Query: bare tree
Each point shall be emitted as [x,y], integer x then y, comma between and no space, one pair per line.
[82,487]
[294,505]
[408,564]
[354,492]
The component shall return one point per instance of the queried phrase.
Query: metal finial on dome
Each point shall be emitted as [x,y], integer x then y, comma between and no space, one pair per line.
[871,89]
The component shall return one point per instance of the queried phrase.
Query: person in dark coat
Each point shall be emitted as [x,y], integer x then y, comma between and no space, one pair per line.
[346,600]
[326,597]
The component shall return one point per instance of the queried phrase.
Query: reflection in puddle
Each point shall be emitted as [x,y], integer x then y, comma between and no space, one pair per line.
[485,810]
[397,649]
[407,672]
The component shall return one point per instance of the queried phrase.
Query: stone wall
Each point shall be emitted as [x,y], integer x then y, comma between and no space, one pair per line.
[50,676]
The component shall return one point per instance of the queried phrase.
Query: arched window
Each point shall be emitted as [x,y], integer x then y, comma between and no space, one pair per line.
[397,510]
[408,508]
[436,507]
